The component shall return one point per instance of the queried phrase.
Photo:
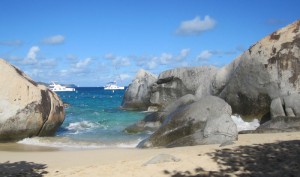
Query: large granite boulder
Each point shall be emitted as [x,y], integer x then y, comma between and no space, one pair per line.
[137,95]
[154,120]
[26,109]
[267,70]
[286,106]
[175,83]
[207,121]
[277,125]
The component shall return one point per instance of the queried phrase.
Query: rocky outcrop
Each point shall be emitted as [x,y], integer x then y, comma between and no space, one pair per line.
[154,120]
[26,108]
[206,121]
[175,83]
[277,125]
[286,106]
[137,95]
[267,70]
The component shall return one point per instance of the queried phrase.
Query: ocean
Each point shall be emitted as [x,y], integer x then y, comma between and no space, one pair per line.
[94,120]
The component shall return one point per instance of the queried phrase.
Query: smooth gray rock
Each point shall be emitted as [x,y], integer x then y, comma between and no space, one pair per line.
[207,121]
[150,123]
[276,108]
[175,83]
[289,112]
[286,106]
[292,104]
[26,108]
[137,95]
[267,70]
[153,121]
[280,124]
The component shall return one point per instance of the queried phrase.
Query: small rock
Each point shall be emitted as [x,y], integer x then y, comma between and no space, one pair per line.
[162,158]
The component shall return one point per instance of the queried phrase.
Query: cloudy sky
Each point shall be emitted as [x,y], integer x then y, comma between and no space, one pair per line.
[90,43]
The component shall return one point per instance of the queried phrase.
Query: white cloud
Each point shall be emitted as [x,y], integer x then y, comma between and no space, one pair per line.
[63,72]
[204,55]
[109,56]
[36,72]
[152,64]
[196,26]
[48,63]
[82,63]
[80,68]
[118,61]
[165,58]
[183,54]
[71,57]
[52,40]
[11,43]
[31,55]
[124,76]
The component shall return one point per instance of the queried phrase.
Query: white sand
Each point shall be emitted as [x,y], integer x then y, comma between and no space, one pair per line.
[129,162]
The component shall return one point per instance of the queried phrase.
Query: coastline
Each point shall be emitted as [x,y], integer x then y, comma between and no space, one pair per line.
[129,161]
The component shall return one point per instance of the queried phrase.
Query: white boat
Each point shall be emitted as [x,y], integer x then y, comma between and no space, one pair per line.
[59,88]
[113,86]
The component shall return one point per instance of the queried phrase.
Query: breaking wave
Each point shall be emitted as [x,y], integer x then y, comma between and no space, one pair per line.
[242,125]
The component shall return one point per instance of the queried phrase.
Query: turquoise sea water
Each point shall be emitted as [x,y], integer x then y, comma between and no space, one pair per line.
[93,120]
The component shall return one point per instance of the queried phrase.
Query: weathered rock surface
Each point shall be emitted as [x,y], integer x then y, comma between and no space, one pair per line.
[175,83]
[286,106]
[26,109]
[137,95]
[206,121]
[267,70]
[154,120]
[277,125]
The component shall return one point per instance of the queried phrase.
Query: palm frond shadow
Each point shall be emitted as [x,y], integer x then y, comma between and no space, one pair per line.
[260,160]
[22,168]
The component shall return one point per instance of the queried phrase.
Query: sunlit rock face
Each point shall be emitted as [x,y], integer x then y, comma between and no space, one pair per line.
[175,83]
[26,108]
[137,95]
[267,70]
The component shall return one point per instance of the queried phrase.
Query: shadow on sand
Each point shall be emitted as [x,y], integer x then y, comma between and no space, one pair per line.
[260,160]
[21,169]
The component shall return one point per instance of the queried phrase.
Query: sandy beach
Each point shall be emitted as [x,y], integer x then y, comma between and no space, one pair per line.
[256,154]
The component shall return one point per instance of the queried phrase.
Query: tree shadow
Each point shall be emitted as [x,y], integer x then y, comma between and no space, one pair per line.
[22,169]
[259,160]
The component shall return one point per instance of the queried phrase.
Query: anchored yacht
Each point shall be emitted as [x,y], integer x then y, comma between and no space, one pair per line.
[113,86]
[59,88]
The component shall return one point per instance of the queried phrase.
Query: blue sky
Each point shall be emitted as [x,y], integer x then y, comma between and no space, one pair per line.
[90,43]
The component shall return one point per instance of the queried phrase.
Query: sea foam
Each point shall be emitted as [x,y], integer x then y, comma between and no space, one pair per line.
[67,143]
[242,125]
[78,127]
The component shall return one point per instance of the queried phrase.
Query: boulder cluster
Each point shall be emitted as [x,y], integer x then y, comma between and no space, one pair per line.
[193,105]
